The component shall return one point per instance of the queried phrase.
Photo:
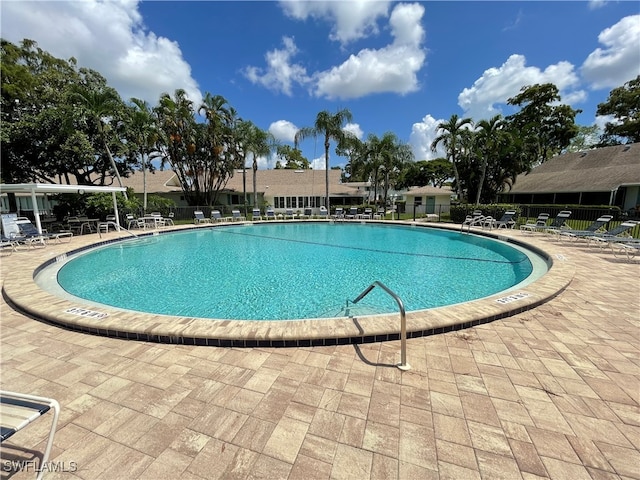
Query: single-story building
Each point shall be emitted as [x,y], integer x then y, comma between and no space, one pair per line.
[281,189]
[602,176]
[428,200]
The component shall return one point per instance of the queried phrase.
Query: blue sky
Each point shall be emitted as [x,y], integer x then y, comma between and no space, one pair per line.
[397,66]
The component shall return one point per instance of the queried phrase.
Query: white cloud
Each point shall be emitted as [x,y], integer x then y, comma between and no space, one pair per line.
[351,20]
[422,136]
[319,163]
[354,129]
[497,85]
[108,37]
[618,62]
[390,69]
[595,4]
[283,130]
[280,73]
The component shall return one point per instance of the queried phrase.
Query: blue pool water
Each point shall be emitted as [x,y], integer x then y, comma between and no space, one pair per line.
[286,271]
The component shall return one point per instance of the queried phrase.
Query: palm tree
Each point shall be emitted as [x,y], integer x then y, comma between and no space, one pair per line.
[331,127]
[100,106]
[451,137]
[143,134]
[488,138]
[391,155]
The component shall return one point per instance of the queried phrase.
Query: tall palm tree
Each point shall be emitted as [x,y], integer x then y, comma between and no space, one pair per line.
[260,145]
[100,106]
[143,134]
[451,136]
[392,155]
[331,127]
[488,138]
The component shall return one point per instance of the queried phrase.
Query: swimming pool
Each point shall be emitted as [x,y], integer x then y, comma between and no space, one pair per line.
[285,271]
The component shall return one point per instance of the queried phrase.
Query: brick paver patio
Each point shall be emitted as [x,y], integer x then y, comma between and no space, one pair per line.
[552,392]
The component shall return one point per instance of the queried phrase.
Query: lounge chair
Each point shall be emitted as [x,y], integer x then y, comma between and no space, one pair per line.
[559,222]
[339,213]
[270,214]
[353,213]
[540,225]
[29,234]
[506,221]
[256,214]
[475,219]
[7,246]
[288,213]
[19,410]
[628,249]
[380,214]
[198,217]
[216,216]
[368,213]
[236,216]
[307,213]
[617,234]
[596,227]
[323,212]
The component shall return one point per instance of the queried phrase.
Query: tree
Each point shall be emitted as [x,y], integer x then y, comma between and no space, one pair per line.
[292,158]
[201,154]
[45,136]
[100,107]
[623,105]
[586,138]
[331,128]
[549,124]
[424,172]
[258,143]
[142,136]
[489,138]
[451,135]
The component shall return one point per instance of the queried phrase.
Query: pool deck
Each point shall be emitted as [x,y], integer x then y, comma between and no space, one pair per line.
[548,392]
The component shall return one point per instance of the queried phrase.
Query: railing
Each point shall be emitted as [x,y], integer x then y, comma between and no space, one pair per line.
[403,365]
[115,225]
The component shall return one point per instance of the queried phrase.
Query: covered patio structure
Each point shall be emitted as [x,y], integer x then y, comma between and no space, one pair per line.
[41,188]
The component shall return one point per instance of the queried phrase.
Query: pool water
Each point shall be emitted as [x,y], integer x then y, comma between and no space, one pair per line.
[284,271]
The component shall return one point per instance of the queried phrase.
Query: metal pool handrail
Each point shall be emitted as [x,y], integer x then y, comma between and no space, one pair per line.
[403,365]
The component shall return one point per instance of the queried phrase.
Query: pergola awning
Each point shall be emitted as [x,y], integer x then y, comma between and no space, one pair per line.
[37,188]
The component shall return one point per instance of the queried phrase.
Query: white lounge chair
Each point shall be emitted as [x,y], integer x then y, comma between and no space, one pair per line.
[19,410]
[256,214]
[594,229]
[236,216]
[540,224]
[198,217]
[506,221]
[270,214]
[559,223]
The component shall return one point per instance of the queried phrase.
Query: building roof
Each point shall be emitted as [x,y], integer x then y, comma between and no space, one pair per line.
[274,183]
[599,170]
[429,191]
[288,183]
[161,181]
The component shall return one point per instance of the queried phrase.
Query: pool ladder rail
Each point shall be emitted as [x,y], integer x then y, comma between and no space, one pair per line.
[403,365]
[117,227]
